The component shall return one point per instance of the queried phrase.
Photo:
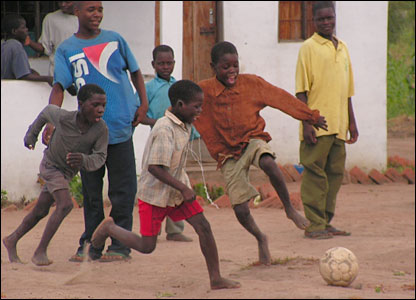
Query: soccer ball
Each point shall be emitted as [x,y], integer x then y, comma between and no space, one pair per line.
[338,266]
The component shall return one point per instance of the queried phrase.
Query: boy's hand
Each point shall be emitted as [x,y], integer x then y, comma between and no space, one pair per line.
[353,134]
[74,160]
[30,146]
[27,41]
[321,124]
[188,194]
[309,134]
[47,133]
[139,116]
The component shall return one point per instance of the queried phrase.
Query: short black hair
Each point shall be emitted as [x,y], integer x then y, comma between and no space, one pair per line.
[9,23]
[162,48]
[220,49]
[322,4]
[86,92]
[184,90]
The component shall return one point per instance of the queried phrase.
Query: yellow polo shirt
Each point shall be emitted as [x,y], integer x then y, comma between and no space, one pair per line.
[325,74]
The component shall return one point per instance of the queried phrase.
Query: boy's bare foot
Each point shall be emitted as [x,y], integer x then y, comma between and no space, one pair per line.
[224,283]
[11,250]
[101,233]
[264,253]
[41,260]
[299,221]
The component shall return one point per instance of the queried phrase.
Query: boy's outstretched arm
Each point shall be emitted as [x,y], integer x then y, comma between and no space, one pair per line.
[309,134]
[160,173]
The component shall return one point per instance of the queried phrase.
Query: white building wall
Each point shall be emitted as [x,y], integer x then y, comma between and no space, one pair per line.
[253,28]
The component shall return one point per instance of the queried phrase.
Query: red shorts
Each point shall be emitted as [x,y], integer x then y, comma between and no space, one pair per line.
[151,216]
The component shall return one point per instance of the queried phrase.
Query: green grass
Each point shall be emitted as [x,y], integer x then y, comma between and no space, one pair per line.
[401,59]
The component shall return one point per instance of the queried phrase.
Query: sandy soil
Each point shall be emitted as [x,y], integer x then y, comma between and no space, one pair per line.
[380,217]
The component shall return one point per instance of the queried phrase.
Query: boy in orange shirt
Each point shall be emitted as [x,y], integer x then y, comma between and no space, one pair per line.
[233,130]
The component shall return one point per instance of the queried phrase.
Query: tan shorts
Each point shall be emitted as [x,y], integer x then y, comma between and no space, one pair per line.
[235,172]
[54,179]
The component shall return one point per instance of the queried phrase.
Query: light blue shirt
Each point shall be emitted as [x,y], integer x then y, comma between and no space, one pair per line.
[157,91]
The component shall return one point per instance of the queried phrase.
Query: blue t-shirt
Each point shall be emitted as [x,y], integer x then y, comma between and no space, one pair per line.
[104,61]
[157,94]
[157,91]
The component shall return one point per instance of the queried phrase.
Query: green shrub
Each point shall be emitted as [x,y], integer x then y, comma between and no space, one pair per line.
[4,198]
[214,192]
[75,188]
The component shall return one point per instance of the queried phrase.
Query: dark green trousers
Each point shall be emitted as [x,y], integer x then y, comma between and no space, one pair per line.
[324,164]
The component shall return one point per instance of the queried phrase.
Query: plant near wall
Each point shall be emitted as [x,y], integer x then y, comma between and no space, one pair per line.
[75,189]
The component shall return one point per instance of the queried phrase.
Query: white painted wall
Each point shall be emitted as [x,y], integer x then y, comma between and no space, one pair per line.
[21,102]
[253,28]
[171,31]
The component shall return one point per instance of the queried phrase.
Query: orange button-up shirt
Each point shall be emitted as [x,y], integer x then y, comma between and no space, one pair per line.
[231,116]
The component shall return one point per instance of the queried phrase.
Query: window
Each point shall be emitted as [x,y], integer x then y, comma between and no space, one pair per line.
[33,12]
[295,20]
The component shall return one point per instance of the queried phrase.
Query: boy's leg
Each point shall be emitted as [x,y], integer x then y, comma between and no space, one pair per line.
[92,186]
[122,189]
[40,211]
[242,212]
[335,171]
[209,250]
[63,208]
[314,186]
[269,166]
[240,191]
[107,228]
[174,231]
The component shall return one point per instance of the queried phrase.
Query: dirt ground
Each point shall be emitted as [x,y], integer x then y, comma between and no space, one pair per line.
[380,217]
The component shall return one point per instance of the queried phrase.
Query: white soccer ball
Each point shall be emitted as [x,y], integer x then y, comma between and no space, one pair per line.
[338,266]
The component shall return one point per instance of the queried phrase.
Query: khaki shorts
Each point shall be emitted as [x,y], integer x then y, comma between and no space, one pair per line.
[54,179]
[235,172]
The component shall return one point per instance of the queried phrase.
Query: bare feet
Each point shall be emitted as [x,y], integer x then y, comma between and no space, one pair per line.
[41,259]
[264,253]
[101,233]
[11,250]
[224,283]
[299,221]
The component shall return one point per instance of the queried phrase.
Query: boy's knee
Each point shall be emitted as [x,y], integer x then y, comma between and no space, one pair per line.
[148,248]
[242,211]
[67,208]
[267,163]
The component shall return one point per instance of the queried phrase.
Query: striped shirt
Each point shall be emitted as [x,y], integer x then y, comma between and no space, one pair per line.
[167,146]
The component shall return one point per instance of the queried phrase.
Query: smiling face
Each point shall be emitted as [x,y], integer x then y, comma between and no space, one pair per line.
[93,109]
[324,20]
[164,64]
[90,15]
[227,69]
[190,111]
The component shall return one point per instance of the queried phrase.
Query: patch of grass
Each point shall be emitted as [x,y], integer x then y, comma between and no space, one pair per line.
[214,192]
[4,198]
[401,59]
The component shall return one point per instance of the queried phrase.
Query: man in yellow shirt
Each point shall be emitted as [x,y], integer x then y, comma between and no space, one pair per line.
[324,81]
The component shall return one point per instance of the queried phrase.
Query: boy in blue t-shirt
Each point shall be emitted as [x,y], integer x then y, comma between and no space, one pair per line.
[94,55]
[157,94]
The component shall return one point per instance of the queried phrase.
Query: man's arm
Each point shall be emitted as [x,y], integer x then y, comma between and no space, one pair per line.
[56,98]
[309,134]
[34,76]
[352,124]
[161,174]
[138,82]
